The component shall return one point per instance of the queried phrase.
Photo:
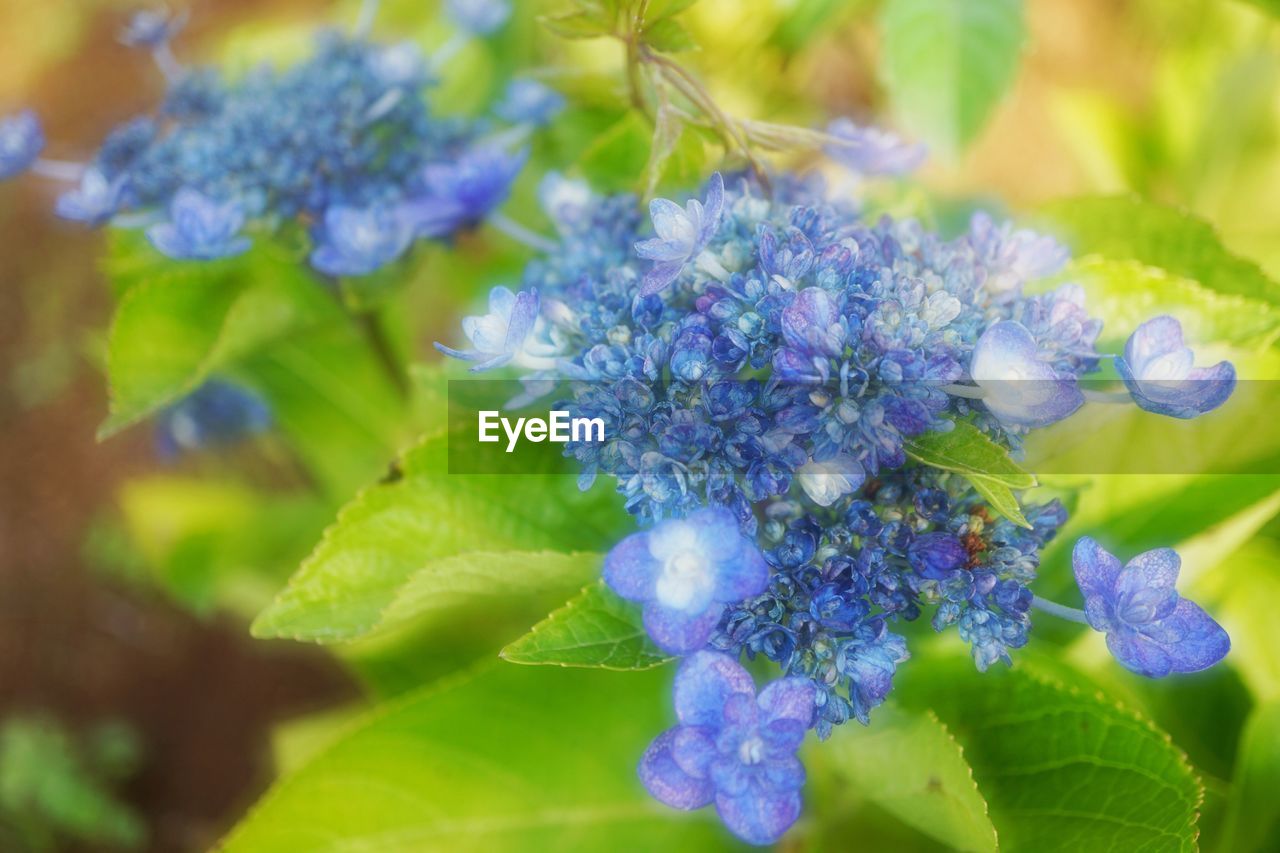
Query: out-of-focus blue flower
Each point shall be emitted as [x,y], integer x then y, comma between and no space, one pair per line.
[358,241]
[151,28]
[505,334]
[200,228]
[399,65]
[529,101]
[1021,387]
[1150,628]
[682,233]
[21,141]
[827,481]
[566,200]
[872,151]
[216,413]
[94,201]
[1013,257]
[1160,372]
[733,748]
[479,17]
[685,571]
[462,193]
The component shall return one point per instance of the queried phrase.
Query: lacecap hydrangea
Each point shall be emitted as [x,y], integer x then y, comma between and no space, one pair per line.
[343,146]
[762,363]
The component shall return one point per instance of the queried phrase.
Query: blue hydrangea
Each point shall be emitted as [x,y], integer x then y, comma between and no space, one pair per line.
[480,17]
[1020,386]
[1150,628]
[869,150]
[21,141]
[528,101]
[1160,372]
[342,143]
[686,571]
[733,748]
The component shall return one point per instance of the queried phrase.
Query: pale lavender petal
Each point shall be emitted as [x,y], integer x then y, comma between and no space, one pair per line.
[661,250]
[679,632]
[1096,569]
[1139,653]
[704,683]
[668,784]
[757,817]
[789,699]
[660,276]
[712,210]
[694,748]
[746,576]
[630,570]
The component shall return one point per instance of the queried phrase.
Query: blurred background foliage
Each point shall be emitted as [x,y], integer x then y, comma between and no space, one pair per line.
[131,581]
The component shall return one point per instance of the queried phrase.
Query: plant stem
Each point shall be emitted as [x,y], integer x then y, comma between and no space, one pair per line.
[375,333]
[521,234]
[1060,610]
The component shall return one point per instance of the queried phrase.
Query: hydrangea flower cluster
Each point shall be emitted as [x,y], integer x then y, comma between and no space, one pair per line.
[761,365]
[343,144]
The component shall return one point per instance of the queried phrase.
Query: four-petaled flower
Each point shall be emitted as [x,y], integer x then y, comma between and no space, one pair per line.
[504,334]
[358,241]
[1161,375]
[1020,388]
[686,570]
[733,748]
[200,228]
[682,234]
[872,151]
[94,201]
[1150,628]
[21,141]
[462,193]
[479,17]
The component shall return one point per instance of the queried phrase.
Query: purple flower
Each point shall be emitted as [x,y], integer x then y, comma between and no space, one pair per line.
[151,28]
[94,201]
[1013,257]
[1020,388]
[200,228]
[872,151]
[462,193]
[686,570]
[358,241]
[504,334]
[21,141]
[936,555]
[479,17]
[828,481]
[1161,375]
[733,748]
[682,234]
[1150,628]
[529,102]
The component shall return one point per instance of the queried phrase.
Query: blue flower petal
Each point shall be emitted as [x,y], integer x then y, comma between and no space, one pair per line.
[789,699]
[1158,369]
[679,632]
[1202,641]
[694,748]
[660,276]
[784,774]
[664,779]
[744,577]
[704,683]
[712,209]
[1021,389]
[629,568]
[1139,653]
[758,817]
[1096,569]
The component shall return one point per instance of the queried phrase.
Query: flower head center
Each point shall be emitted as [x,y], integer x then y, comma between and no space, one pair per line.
[751,751]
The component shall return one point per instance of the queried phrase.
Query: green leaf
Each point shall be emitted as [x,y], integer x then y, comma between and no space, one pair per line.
[173,330]
[594,629]
[947,63]
[1253,810]
[1236,599]
[515,759]
[910,765]
[668,35]
[1129,228]
[578,25]
[1061,768]
[967,451]
[421,515]
[619,155]
[1127,293]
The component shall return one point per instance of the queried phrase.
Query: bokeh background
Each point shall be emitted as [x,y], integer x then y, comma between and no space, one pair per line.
[135,709]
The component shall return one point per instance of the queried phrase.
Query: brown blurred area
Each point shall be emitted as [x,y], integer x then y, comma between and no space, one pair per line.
[76,645]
